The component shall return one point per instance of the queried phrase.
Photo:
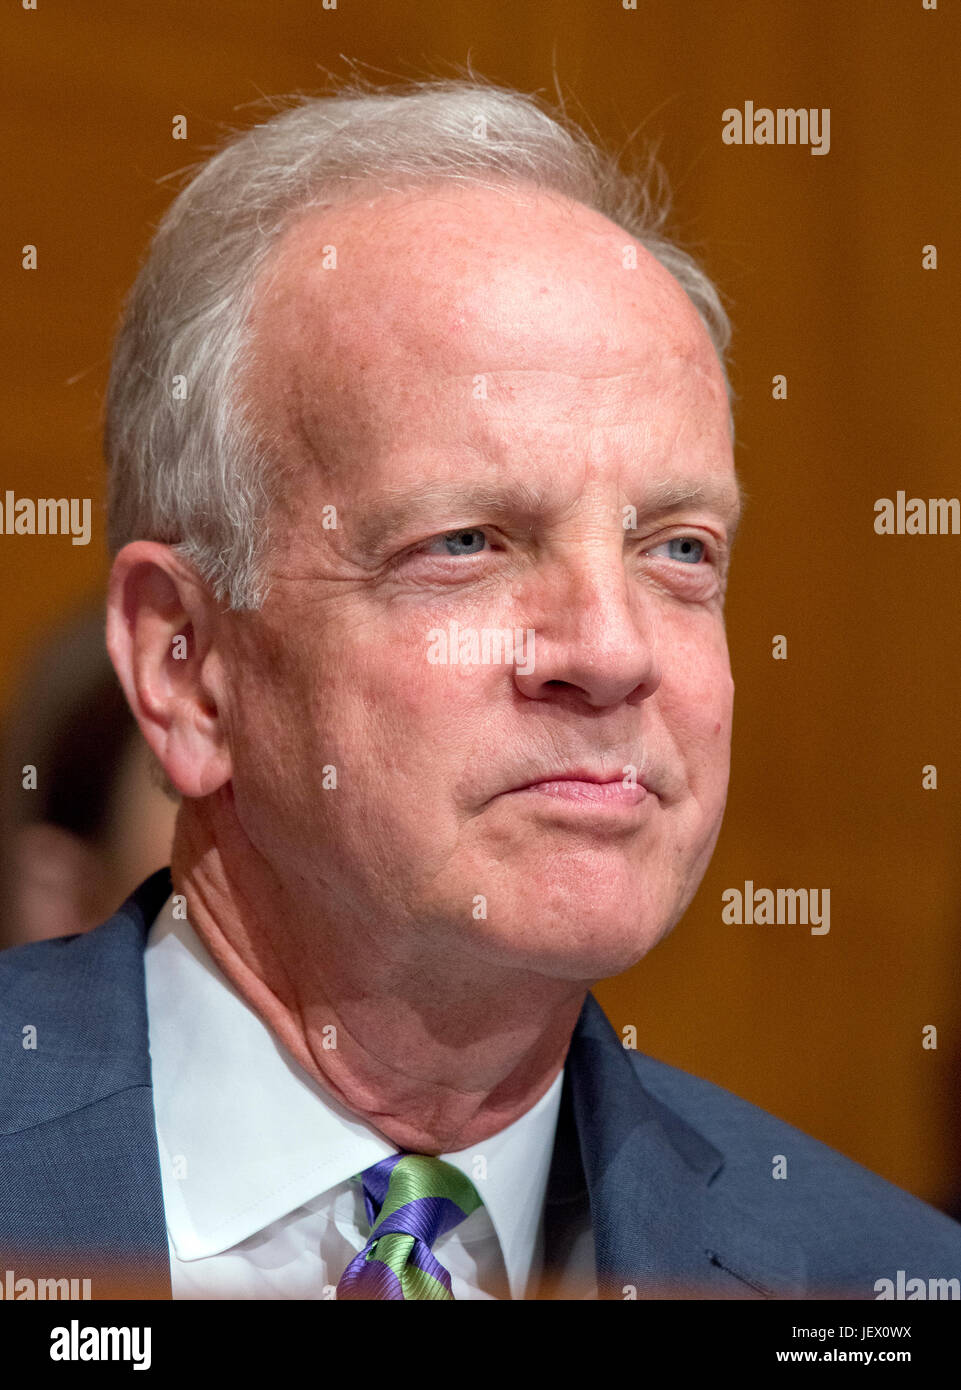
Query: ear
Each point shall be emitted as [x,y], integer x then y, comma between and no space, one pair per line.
[163,638]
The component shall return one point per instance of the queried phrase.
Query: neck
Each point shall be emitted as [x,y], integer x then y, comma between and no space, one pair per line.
[436,1052]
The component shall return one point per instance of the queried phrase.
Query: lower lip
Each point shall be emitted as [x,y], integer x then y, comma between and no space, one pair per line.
[588,794]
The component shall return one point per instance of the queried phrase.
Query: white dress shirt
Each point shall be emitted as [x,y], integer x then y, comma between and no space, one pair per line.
[256,1158]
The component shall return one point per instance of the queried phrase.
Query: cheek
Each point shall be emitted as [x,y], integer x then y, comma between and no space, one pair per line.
[697,706]
[706,752]
[697,671]
[413,677]
[407,730]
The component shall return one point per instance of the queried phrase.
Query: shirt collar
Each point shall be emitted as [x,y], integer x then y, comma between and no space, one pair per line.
[247,1136]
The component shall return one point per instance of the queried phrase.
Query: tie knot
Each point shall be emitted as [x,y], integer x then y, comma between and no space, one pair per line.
[411,1200]
[400,1187]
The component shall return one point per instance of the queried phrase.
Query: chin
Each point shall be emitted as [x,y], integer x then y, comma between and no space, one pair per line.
[576,948]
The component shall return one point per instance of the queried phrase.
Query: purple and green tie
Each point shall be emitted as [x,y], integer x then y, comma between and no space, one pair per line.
[411,1201]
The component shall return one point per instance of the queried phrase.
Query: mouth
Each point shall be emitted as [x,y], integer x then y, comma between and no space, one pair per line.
[588,789]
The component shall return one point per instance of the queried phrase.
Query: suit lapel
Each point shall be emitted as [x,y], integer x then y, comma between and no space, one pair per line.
[658,1225]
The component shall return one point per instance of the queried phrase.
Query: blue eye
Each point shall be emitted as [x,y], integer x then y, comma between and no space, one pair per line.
[469,542]
[688,549]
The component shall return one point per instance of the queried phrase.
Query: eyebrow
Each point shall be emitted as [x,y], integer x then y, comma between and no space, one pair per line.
[721,497]
[397,506]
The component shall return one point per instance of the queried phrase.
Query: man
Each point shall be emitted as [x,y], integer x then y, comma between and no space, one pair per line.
[422,502]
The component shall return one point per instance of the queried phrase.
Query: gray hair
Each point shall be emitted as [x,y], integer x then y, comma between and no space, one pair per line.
[186,463]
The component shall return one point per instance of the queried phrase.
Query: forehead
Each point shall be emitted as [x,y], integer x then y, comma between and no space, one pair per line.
[376,314]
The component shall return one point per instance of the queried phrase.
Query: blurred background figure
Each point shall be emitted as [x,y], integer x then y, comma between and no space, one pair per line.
[97,822]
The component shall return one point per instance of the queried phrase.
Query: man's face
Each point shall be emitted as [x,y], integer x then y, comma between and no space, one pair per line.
[483,391]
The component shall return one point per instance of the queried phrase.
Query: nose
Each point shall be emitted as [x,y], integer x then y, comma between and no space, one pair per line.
[595,639]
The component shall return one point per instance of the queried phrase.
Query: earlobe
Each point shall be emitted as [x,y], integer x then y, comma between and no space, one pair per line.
[161,638]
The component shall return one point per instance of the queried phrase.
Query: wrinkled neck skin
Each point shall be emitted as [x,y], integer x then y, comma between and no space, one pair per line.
[435,1054]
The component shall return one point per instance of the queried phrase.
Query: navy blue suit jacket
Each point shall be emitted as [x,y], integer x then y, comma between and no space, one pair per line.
[675,1172]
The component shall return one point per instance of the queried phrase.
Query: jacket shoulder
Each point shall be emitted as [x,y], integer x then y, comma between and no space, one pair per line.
[832,1205]
[73,1015]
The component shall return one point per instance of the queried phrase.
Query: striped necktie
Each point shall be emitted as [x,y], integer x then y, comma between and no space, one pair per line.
[411,1200]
